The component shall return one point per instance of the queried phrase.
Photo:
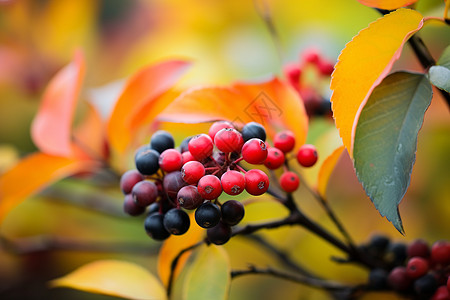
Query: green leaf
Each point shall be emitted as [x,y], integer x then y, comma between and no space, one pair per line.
[386,140]
[440,77]
[209,276]
[444,60]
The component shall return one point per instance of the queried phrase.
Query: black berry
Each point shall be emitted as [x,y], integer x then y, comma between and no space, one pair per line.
[232,212]
[219,234]
[176,221]
[147,162]
[172,183]
[378,279]
[207,215]
[154,227]
[253,130]
[162,140]
[426,285]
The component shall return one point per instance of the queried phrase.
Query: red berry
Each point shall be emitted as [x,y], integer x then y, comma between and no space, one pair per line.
[233,182]
[311,56]
[217,126]
[144,193]
[256,182]
[293,73]
[254,151]
[209,187]
[275,158]
[325,67]
[129,179]
[418,248]
[442,293]
[189,198]
[416,267]
[192,171]
[186,156]
[201,146]
[398,279]
[170,160]
[448,283]
[289,181]
[440,252]
[284,140]
[130,207]
[228,140]
[307,155]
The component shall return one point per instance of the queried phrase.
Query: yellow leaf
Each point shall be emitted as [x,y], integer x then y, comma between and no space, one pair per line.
[387,4]
[172,247]
[326,169]
[364,62]
[116,278]
[33,173]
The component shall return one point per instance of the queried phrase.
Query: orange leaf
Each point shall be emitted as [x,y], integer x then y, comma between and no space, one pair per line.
[326,169]
[141,93]
[172,247]
[115,278]
[33,173]
[364,62]
[52,127]
[387,4]
[271,103]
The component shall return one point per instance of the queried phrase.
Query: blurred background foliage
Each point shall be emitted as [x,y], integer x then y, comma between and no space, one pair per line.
[77,221]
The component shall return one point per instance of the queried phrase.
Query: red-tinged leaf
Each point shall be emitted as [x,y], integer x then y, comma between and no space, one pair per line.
[387,4]
[363,64]
[51,130]
[173,246]
[32,174]
[142,93]
[271,103]
[326,169]
[115,278]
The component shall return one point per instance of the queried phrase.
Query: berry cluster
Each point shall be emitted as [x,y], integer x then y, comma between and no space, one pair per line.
[169,181]
[414,269]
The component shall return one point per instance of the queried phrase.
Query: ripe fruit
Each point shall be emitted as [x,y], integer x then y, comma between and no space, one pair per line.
[186,156]
[162,140]
[219,234]
[284,140]
[207,215]
[253,130]
[129,179]
[378,244]
[189,198]
[442,293]
[398,253]
[147,162]
[416,267]
[217,126]
[228,140]
[144,193]
[307,155]
[326,68]
[170,160]
[289,181]
[130,207]
[398,279]
[440,252]
[256,182]
[172,183]
[233,182]
[209,187]
[275,158]
[418,248]
[201,146]
[232,212]
[154,227]
[192,171]
[254,151]
[176,221]
[426,285]
[184,144]
[378,279]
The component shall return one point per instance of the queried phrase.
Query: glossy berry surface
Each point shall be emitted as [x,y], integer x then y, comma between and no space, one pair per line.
[189,198]
[170,160]
[419,248]
[147,162]
[284,140]
[144,193]
[289,182]
[219,234]
[192,171]
[256,182]
[228,140]
[398,279]
[172,183]
[201,146]
[307,155]
[184,146]
[254,151]
[176,221]
[162,140]
[217,126]
[275,158]
[209,187]
[417,267]
[253,130]
[233,182]
[186,157]
[154,227]
[232,212]
[207,215]
[130,207]
[129,179]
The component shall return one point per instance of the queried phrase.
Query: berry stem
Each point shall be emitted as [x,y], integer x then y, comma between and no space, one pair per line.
[238,160]
[241,169]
